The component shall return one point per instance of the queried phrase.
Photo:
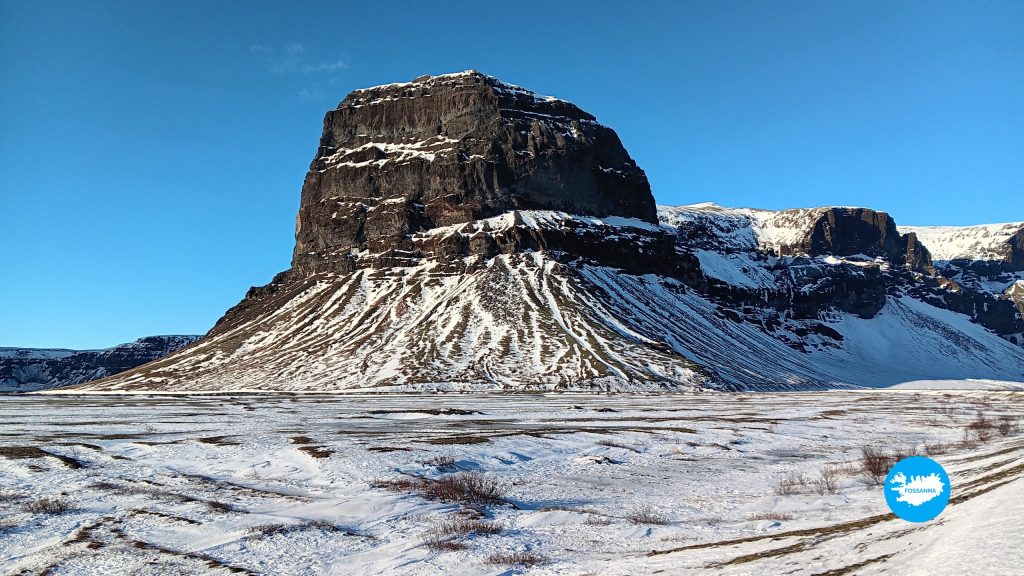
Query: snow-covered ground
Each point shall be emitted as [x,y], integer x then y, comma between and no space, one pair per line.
[621,484]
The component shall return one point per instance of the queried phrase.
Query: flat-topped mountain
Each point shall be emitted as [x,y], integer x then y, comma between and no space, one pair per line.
[460,233]
[400,159]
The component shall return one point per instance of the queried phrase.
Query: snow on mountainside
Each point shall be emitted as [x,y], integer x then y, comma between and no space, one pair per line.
[529,321]
[986,259]
[982,242]
[26,369]
[739,229]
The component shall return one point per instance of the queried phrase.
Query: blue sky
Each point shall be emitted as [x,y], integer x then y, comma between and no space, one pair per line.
[151,153]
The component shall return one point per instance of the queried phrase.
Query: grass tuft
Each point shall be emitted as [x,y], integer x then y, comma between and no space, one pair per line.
[521,558]
[645,515]
[773,516]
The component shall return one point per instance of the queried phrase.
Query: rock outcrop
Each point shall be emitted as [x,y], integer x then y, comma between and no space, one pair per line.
[401,159]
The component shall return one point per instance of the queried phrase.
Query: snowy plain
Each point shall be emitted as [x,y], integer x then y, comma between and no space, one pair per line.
[590,484]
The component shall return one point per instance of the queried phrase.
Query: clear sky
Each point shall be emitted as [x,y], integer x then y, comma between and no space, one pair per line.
[152,153]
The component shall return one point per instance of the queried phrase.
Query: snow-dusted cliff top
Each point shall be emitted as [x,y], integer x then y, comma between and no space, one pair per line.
[980,242]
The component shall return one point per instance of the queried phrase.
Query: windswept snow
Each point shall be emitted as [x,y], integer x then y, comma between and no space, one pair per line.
[611,485]
[972,384]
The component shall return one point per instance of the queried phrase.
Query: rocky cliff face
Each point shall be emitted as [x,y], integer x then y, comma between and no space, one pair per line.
[401,159]
[26,369]
[982,272]
[459,233]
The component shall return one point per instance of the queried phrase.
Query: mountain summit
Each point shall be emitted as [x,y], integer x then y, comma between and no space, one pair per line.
[443,150]
[459,233]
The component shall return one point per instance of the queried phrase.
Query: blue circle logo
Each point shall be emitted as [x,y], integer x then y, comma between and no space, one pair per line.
[917,489]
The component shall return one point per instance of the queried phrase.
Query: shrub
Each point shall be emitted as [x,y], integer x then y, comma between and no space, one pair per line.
[461,488]
[875,464]
[827,480]
[969,441]
[982,427]
[790,484]
[441,462]
[49,506]
[466,488]
[904,452]
[646,515]
[1007,425]
[522,558]
[775,516]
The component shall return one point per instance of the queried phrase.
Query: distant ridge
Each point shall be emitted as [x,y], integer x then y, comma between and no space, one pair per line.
[28,369]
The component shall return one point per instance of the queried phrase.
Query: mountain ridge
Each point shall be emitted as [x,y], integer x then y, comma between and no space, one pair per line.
[27,369]
[460,233]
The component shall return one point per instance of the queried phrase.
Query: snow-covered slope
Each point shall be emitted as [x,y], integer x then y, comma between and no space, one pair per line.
[740,229]
[538,317]
[524,322]
[986,259]
[982,242]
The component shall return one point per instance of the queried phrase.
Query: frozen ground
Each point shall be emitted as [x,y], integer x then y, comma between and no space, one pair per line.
[676,484]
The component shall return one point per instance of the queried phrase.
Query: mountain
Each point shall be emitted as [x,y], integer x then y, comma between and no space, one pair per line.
[460,233]
[26,369]
[986,259]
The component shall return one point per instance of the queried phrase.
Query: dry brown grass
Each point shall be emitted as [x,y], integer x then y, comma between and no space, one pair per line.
[465,527]
[316,451]
[444,537]
[443,544]
[280,528]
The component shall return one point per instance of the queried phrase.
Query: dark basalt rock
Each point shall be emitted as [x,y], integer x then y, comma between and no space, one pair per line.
[852,231]
[404,158]
[1015,262]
